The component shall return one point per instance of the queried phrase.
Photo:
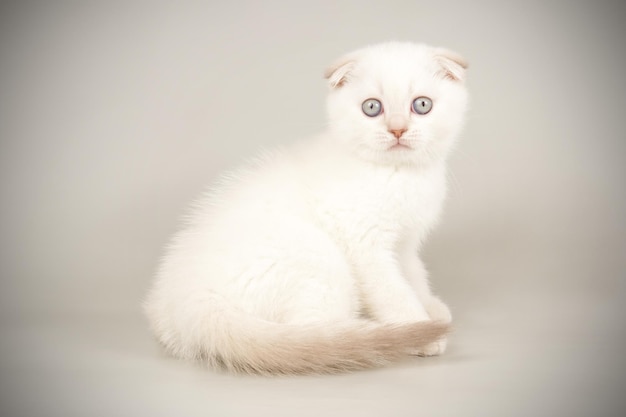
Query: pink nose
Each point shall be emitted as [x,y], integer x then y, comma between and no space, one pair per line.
[397,132]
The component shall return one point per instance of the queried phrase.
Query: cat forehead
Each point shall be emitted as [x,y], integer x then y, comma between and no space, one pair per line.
[396,75]
[408,60]
[394,69]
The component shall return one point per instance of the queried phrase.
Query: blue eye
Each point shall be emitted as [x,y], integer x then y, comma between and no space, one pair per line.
[372,107]
[422,105]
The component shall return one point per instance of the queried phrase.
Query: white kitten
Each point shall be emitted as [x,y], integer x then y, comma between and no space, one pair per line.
[306,261]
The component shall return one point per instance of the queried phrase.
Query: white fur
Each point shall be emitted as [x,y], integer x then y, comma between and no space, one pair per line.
[320,239]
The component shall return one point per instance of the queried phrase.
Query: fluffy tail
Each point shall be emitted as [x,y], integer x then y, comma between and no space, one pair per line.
[238,342]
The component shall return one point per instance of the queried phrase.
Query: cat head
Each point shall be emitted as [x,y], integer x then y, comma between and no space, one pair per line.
[397,103]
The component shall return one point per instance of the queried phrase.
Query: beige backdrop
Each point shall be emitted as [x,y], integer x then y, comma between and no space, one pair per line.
[114,115]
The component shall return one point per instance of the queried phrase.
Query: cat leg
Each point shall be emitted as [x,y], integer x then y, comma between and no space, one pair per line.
[417,276]
[387,295]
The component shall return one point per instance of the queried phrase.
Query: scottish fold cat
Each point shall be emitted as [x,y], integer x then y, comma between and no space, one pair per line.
[306,260]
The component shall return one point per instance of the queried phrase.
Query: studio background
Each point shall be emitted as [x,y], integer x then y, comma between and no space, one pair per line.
[115,115]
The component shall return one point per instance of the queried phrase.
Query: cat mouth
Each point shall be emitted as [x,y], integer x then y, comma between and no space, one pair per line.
[399,146]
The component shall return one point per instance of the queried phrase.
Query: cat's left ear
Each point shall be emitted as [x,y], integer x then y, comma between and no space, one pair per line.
[453,65]
[338,73]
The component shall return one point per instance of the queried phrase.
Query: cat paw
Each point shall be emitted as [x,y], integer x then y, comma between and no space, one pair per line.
[438,311]
[434,348]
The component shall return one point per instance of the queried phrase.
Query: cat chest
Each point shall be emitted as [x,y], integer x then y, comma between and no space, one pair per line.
[381,206]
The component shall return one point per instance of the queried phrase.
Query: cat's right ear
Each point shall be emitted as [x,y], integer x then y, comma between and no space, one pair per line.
[338,73]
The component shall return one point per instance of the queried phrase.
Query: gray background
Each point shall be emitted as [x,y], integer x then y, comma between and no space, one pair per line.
[114,115]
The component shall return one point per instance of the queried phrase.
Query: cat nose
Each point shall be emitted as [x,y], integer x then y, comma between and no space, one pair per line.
[397,132]
[397,125]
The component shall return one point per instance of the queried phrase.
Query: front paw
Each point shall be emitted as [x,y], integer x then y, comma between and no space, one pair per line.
[434,348]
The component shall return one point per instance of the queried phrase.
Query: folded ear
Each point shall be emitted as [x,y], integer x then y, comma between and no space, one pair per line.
[453,65]
[338,73]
